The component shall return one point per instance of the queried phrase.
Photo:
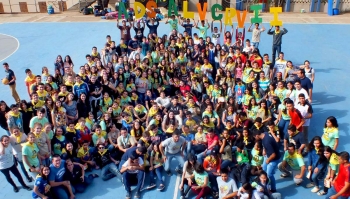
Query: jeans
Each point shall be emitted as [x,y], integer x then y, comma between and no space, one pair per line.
[61,192]
[80,187]
[15,172]
[273,196]
[283,127]
[213,182]
[289,171]
[141,97]
[274,49]
[201,156]
[332,192]
[127,177]
[46,162]
[306,133]
[109,171]
[24,171]
[188,148]
[255,44]
[226,164]
[178,157]
[270,169]
[317,177]
[159,175]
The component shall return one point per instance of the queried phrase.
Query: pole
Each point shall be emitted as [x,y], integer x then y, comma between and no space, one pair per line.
[62,6]
[10,6]
[36,8]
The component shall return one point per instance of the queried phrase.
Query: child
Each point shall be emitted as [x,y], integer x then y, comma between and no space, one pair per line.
[263,187]
[85,155]
[156,161]
[257,159]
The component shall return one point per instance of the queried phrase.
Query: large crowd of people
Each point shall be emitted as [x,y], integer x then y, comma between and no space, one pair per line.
[227,115]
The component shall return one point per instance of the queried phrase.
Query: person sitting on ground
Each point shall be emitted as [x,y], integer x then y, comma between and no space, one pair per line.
[41,185]
[106,163]
[262,185]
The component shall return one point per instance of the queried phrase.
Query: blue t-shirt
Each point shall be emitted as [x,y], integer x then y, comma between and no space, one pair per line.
[297,139]
[188,28]
[306,84]
[270,145]
[128,152]
[57,174]
[41,183]
[10,74]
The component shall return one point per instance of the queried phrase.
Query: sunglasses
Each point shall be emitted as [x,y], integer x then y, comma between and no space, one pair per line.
[100,147]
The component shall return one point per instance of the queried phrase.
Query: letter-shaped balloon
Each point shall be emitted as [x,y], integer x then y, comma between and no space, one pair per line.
[229,14]
[151,5]
[139,10]
[275,21]
[201,12]
[122,11]
[187,15]
[172,7]
[256,18]
[241,19]
[213,10]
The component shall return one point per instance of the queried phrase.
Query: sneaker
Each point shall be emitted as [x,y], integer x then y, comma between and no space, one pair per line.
[168,172]
[321,193]
[151,186]
[297,184]
[309,185]
[315,189]
[15,189]
[283,175]
[161,187]
[30,179]
[137,194]
[27,188]
[128,195]
[182,197]
[216,195]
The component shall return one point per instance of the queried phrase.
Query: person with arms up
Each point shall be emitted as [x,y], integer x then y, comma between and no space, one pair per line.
[124,31]
[271,157]
[11,81]
[277,40]
[203,28]
[188,26]
[256,34]
[216,33]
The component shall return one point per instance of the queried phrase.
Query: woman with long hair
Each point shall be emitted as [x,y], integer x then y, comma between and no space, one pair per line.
[317,163]
[71,108]
[68,62]
[41,185]
[264,112]
[330,135]
[4,109]
[8,164]
[263,187]
[31,157]
[248,192]
[59,65]
[58,114]
[27,115]
[83,106]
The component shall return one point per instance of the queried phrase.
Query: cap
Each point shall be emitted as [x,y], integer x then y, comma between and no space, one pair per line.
[213,152]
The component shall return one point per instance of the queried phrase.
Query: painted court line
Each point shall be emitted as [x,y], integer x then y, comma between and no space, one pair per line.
[18,44]
[177,183]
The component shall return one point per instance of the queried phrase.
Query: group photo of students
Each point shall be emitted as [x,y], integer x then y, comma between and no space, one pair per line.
[205,105]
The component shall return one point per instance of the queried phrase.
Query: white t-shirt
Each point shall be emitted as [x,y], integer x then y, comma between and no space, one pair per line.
[6,160]
[215,38]
[173,147]
[304,110]
[226,188]
[127,163]
[246,195]
[297,92]
[280,66]
[256,35]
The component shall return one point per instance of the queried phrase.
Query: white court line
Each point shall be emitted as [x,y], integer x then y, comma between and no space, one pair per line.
[18,44]
[177,183]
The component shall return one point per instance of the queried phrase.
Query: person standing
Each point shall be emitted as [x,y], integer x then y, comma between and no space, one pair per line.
[277,40]
[256,34]
[10,76]
[306,111]
[271,159]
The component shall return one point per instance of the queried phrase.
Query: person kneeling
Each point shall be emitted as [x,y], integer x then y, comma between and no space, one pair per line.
[292,160]
[132,170]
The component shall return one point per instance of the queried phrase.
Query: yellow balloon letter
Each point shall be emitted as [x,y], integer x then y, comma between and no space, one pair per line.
[187,15]
[275,21]
[140,10]
[229,14]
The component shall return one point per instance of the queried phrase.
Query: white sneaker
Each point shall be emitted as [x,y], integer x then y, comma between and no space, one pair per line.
[315,189]
[309,185]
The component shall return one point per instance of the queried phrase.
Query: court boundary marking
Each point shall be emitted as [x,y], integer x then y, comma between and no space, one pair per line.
[18,44]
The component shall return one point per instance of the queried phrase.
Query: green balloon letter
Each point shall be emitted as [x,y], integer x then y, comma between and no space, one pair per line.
[256,18]
[172,8]
[213,10]
[122,10]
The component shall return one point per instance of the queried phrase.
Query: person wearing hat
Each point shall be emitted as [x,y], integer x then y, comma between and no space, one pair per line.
[15,119]
[11,81]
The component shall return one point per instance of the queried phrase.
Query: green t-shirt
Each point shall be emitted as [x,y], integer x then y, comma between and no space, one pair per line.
[203,31]
[50,135]
[295,161]
[242,157]
[334,163]
[32,155]
[285,115]
[329,136]
[257,160]
[199,178]
[173,24]
[35,119]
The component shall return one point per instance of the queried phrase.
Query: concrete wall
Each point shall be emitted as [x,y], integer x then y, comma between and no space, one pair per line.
[33,5]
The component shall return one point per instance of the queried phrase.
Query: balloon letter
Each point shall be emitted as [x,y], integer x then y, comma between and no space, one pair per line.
[139,10]
[256,9]
[213,10]
[202,12]
[151,5]
[172,8]
[241,19]
[122,11]
[275,21]
[187,15]
[229,14]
